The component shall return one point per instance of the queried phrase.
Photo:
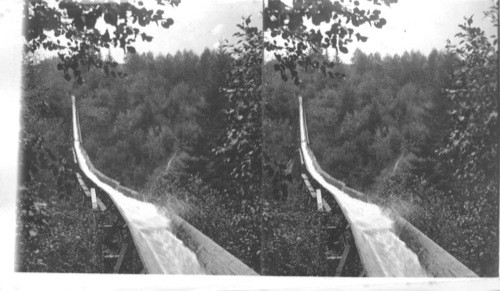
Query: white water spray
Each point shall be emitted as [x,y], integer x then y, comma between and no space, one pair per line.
[152,225]
[377,229]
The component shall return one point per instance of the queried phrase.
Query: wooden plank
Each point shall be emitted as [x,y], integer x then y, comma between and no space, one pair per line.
[355,194]
[120,257]
[326,206]
[111,182]
[79,130]
[101,205]
[319,199]
[436,261]
[118,237]
[333,258]
[93,197]
[214,259]
[82,184]
[345,253]
[308,185]
[88,193]
[306,129]
[127,192]
[329,179]
[86,190]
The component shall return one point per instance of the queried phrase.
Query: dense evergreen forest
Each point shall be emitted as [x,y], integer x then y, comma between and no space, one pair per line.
[214,138]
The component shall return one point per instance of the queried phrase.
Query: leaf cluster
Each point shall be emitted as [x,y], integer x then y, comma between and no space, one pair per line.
[242,141]
[472,140]
[69,28]
[291,37]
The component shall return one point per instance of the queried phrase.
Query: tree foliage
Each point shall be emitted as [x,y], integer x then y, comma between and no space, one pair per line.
[291,37]
[132,127]
[470,149]
[241,145]
[71,29]
[45,161]
[473,137]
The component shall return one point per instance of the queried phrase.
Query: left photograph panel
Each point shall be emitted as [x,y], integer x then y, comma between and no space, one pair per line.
[140,143]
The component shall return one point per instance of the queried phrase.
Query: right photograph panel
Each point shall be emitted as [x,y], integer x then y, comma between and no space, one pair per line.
[379,132]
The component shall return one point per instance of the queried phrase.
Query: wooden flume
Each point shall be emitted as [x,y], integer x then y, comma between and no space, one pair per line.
[213,258]
[435,260]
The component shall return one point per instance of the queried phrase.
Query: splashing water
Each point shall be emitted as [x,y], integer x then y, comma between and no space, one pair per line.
[155,230]
[392,254]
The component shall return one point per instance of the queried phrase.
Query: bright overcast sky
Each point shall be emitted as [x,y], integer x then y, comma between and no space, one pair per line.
[199,24]
[422,25]
[418,25]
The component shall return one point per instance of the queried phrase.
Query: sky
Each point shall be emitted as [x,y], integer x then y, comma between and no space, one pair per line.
[419,25]
[198,24]
[411,25]
[422,25]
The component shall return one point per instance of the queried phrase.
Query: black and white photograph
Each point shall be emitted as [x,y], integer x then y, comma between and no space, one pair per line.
[249,144]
